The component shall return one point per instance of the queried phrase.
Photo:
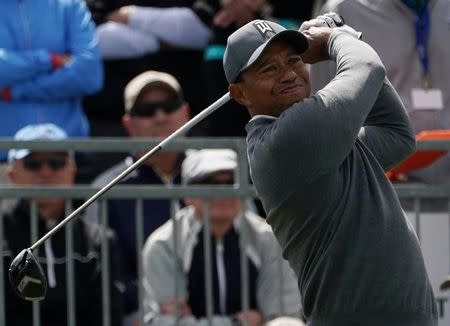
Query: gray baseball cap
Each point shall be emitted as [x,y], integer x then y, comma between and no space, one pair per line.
[247,44]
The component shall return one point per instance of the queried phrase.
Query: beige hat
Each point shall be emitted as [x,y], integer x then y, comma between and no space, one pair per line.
[138,83]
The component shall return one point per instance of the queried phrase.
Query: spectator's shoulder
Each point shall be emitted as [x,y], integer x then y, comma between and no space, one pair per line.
[75,8]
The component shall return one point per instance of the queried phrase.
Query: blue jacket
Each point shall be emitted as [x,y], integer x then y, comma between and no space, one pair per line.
[30,31]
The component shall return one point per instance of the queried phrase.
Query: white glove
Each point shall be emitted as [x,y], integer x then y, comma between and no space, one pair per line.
[332,20]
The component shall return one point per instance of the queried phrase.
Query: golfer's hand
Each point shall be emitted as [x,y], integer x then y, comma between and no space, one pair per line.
[254,318]
[332,20]
[318,44]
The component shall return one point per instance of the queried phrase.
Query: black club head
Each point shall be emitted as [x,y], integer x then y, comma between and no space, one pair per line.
[27,277]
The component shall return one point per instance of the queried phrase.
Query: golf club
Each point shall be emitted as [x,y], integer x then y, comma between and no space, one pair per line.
[26,275]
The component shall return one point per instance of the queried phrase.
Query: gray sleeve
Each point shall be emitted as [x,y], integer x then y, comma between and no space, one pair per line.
[387,131]
[321,74]
[278,293]
[159,271]
[323,128]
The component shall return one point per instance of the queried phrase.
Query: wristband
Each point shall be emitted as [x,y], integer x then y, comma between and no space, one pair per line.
[57,61]
[6,94]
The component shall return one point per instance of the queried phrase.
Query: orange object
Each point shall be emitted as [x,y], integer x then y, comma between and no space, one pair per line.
[421,158]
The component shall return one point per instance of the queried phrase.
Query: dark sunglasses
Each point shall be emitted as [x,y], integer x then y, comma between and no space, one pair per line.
[213,181]
[35,164]
[149,109]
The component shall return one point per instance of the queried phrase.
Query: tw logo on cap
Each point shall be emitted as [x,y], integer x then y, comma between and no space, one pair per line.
[263,28]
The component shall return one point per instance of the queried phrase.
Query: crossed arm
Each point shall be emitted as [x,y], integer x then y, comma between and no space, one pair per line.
[42,75]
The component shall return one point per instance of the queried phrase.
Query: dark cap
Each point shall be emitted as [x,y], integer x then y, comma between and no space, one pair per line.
[247,44]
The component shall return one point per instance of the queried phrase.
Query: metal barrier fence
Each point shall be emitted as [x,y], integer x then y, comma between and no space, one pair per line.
[242,189]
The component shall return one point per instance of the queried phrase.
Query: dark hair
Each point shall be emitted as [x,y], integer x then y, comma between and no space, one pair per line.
[239,78]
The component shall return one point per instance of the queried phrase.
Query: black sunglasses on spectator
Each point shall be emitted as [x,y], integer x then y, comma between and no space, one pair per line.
[35,164]
[150,108]
[213,181]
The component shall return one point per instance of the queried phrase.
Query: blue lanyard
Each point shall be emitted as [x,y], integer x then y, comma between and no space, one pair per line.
[422,25]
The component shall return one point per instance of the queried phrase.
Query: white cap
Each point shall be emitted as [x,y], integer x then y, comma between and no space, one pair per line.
[201,164]
[138,83]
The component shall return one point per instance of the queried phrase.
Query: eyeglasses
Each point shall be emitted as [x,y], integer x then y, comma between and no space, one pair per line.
[149,109]
[35,164]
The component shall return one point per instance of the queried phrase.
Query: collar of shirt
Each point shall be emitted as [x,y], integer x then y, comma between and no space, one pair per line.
[259,116]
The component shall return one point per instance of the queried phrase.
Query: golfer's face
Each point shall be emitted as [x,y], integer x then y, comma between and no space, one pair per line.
[277,80]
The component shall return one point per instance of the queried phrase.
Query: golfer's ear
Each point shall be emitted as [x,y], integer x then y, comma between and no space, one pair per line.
[237,92]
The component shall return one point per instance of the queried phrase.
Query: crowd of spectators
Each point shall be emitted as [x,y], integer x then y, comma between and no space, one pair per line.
[142,68]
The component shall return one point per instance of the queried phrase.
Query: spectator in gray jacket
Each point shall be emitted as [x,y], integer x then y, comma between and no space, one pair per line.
[271,282]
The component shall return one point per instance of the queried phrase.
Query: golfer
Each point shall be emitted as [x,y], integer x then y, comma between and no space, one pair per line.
[318,163]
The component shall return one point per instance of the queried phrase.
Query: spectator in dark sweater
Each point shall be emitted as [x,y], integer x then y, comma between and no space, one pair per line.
[154,107]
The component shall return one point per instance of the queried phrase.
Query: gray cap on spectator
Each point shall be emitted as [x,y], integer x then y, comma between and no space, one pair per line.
[46,131]
[201,164]
[135,87]
[247,44]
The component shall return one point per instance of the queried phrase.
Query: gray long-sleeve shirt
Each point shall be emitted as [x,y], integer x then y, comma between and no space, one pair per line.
[319,171]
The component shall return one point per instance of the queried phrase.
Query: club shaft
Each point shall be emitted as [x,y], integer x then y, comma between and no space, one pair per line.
[180,131]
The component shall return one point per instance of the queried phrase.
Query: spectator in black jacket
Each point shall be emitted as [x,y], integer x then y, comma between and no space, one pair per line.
[56,168]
